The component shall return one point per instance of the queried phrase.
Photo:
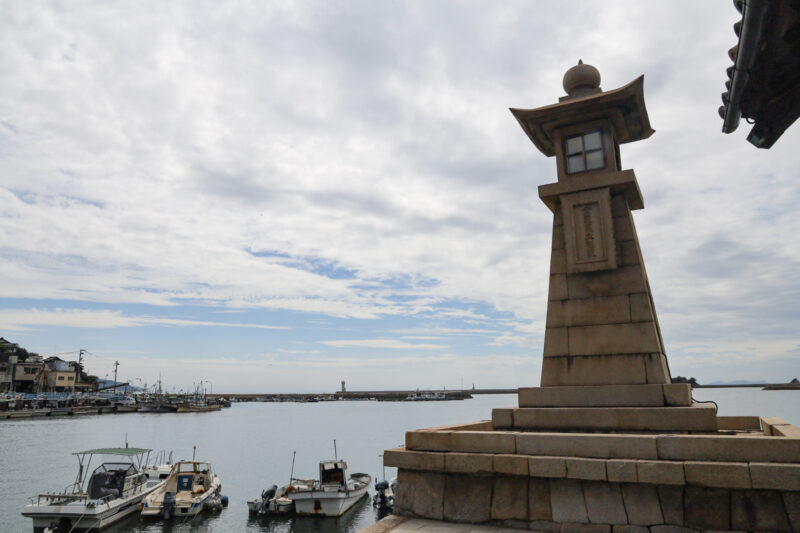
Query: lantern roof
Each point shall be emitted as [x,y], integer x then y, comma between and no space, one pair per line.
[624,107]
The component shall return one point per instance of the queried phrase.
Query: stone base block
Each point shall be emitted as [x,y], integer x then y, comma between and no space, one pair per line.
[629,369]
[699,417]
[420,494]
[779,428]
[741,423]
[565,505]
[738,448]
[468,499]
[676,394]
[601,446]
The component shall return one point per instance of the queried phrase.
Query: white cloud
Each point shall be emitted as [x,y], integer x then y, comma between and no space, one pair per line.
[383,343]
[17,320]
[358,161]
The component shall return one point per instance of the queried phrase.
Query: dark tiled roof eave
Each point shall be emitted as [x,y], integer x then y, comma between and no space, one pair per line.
[764,81]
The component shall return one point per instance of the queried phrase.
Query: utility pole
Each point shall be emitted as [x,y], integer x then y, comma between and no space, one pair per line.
[116,364]
[81,373]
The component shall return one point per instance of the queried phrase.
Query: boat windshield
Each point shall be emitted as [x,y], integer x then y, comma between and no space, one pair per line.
[331,473]
[194,467]
[108,480]
[127,468]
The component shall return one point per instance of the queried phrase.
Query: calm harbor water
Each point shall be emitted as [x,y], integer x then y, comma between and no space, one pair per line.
[250,446]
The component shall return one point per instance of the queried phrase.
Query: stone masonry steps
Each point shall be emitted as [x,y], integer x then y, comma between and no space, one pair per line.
[698,417]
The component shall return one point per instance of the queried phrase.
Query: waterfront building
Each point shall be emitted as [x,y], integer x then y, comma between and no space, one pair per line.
[27,374]
[21,371]
[7,350]
[6,373]
[59,375]
[7,346]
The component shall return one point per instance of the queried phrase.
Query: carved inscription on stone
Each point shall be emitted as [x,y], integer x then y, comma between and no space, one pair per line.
[588,231]
[589,244]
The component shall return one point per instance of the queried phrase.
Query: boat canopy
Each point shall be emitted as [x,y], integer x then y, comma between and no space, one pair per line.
[128,452]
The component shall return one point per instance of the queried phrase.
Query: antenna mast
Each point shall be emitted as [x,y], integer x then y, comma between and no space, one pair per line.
[116,365]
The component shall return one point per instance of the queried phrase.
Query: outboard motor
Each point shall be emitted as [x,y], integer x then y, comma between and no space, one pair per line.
[269,493]
[168,507]
[266,496]
[380,493]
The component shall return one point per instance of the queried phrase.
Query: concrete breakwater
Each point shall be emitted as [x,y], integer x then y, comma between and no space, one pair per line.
[65,411]
[385,396]
[224,400]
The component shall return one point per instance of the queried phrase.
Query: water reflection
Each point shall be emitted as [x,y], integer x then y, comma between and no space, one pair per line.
[354,519]
[202,523]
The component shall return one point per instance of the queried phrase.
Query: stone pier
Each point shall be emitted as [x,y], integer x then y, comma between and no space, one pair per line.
[740,478]
[607,443]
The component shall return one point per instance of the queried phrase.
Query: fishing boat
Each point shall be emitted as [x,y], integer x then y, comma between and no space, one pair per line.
[190,488]
[157,406]
[157,401]
[198,406]
[333,494]
[272,501]
[198,402]
[112,491]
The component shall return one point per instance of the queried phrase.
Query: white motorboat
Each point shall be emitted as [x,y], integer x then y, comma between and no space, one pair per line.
[334,493]
[112,492]
[190,488]
[272,501]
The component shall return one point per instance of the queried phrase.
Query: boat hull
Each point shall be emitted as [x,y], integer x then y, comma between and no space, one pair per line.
[158,408]
[330,503]
[79,517]
[77,522]
[274,506]
[325,504]
[183,509]
[184,501]
[198,408]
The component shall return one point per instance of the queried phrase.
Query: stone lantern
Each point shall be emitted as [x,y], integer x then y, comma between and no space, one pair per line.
[602,327]
[607,442]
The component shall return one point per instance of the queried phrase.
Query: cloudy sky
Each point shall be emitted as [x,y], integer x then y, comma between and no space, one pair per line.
[276,196]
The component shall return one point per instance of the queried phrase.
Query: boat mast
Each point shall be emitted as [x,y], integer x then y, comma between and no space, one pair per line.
[291,474]
[335,455]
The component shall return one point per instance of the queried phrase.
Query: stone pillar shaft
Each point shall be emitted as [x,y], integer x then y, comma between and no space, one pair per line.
[601,326]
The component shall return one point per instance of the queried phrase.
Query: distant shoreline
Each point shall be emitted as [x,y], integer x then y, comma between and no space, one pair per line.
[376,394]
[765,386]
